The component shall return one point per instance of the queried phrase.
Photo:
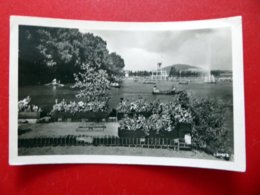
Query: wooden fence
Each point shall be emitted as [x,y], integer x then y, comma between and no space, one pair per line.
[82,140]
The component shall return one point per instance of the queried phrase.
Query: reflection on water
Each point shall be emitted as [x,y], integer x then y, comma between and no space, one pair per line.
[44,96]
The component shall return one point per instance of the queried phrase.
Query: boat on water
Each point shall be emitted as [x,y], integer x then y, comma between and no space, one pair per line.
[166,92]
[55,83]
[115,84]
[173,91]
[149,82]
[135,79]
[184,82]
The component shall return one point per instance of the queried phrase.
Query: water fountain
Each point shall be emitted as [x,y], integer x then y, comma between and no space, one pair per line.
[209,78]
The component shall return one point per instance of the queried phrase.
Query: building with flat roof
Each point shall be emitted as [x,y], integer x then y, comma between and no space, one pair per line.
[159,74]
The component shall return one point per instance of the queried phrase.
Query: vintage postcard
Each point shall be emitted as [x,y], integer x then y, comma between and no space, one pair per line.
[155,93]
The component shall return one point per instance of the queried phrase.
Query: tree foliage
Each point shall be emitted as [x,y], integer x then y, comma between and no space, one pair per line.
[173,72]
[47,53]
[209,132]
[115,63]
[93,84]
[141,73]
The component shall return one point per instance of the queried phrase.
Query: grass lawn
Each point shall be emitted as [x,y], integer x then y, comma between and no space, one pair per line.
[125,151]
[58,129]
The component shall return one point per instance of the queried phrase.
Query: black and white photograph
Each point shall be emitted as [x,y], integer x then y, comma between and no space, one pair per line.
[165,93]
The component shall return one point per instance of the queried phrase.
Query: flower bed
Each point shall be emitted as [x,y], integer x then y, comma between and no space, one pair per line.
[26,110]
[136,105]
[74,107]
[202,119]
[142,105]
[178,132]
[79,110]
[166,120]
[121,115]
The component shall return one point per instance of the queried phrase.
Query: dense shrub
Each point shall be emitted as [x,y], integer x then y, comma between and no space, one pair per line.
[208,125]
[93,84]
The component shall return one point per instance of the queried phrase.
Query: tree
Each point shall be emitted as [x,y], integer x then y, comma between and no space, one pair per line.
[173,72]
[93,84]
[115,64]
[31,61]
[46,53]
[209,132]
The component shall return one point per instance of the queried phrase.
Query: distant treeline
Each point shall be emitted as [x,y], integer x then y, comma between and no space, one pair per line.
[218,73]
[185,73]
[141,73]
[46,53]
[171,74]
[174,72]
[189,73]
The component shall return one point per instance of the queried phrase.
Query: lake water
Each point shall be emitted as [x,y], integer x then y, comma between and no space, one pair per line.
[44,96]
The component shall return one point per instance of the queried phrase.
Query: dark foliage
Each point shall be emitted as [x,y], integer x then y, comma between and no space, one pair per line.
[47,53]
[209,133]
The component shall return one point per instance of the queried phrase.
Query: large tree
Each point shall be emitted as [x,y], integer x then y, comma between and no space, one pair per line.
[93,84]
[47,53]
[115,64]
[173,72]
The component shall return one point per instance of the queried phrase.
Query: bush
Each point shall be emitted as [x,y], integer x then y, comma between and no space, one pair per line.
[93,84]
[208,131]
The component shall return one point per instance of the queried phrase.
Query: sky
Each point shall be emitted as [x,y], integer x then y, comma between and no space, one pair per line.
[142,50]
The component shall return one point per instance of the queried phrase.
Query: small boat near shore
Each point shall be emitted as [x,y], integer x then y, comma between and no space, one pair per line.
[166,92]
[172,91]
[149,82]
[55,83]
[183,82]
[115,85]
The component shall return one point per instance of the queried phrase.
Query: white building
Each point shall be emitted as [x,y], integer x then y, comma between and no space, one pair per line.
[159,74]
[126,74]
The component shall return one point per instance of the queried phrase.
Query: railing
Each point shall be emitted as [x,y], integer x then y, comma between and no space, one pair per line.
[82,140]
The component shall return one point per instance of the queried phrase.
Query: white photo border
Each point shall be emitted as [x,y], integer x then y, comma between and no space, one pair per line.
[235,23]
